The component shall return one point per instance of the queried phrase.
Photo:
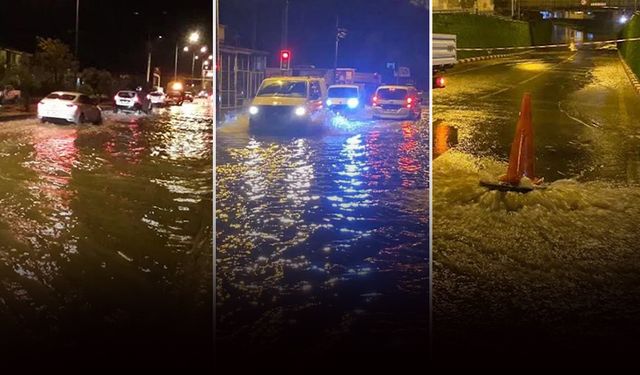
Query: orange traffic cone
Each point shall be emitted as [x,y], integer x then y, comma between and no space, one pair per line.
[522,158]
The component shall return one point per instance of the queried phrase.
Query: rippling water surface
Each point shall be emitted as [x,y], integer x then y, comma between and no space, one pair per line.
[106,231]
[322,238]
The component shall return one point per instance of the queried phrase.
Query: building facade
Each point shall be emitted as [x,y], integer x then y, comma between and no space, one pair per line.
[240,73]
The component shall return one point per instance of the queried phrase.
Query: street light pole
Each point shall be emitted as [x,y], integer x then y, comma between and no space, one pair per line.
[175,66]
[335,60]
[77,25]
[77,39]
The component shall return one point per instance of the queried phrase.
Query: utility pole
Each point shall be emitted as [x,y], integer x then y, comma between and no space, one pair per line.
[77,25]
[285,26]
[175,64]
[77,40]
[341,33]
[335,60]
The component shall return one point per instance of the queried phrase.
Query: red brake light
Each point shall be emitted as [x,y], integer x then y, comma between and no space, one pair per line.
[440,82]
[375,99]
[409,100]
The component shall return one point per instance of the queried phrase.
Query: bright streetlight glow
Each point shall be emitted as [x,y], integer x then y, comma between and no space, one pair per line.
[186,49]
[194,37]
[203,49]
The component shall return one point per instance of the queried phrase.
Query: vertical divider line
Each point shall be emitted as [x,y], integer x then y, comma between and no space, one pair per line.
[214,98]
[430,119]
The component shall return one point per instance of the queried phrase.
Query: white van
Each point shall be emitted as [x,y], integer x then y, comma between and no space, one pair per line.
[287,102]
[343,98]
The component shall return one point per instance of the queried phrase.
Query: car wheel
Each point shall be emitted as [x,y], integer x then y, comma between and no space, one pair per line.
[43,120]
[81,119]
[115,110]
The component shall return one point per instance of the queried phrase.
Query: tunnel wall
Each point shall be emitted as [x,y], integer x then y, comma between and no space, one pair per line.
[477,30]
[630,51]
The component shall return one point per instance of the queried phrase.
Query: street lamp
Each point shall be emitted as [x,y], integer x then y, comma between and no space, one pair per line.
[194,37]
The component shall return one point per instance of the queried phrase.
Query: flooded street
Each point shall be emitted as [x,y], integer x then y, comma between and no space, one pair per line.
[322,239]
[552,263]
[106,232]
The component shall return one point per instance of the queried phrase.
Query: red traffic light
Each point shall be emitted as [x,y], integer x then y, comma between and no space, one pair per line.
[285,54]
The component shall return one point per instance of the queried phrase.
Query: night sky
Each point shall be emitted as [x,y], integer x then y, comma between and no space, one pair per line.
[380,31]
[111,36]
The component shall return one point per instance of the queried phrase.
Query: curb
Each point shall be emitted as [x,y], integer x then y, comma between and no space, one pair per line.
[632,76]
[488,57]
[16,117]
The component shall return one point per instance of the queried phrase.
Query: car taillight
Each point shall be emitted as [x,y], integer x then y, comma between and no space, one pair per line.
[375,99]
[135,99]
[409,100]
[439,82]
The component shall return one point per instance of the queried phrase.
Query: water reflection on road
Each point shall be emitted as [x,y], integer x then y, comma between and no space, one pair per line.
[106,231]
[323,239]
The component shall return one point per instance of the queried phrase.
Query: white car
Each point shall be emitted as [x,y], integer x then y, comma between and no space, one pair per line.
[132,101]
[343,98]
[156,98]
[397,102]
[69,106]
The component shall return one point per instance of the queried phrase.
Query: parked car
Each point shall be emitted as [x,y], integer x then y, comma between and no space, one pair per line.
[156,98]
[341,98]
[287,102]
[130,100]
[69,106]
[397,102]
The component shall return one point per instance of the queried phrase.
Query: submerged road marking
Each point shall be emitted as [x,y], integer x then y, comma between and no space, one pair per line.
[528,79]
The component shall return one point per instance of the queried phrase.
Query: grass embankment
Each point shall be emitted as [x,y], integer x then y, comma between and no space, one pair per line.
[630,51]
[487,31]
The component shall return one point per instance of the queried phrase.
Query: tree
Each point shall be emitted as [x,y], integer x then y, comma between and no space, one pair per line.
[56,61]
[96,82]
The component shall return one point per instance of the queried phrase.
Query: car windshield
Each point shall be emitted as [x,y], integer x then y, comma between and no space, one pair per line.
[126,94]
[156,94]
[391,94]
[343,92]
[280,88]
[55,95]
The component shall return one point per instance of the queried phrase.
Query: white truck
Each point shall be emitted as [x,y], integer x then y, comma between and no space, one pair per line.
[444,56]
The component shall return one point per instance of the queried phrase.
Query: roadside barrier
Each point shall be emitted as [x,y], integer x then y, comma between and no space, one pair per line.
[550,45]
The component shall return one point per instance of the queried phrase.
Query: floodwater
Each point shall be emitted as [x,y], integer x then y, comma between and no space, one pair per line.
[558,263]
[322,239]
[106,231]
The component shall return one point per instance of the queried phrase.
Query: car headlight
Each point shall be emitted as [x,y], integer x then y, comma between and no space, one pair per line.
[328,101]
[300,111]
[353,103]
[253,110]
